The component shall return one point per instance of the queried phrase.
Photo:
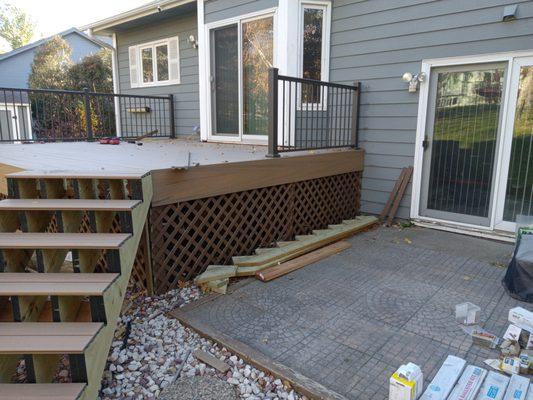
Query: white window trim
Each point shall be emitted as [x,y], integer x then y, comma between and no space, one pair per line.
[14,109]
[153,45]
[427,66]
[240,138]
[326,40]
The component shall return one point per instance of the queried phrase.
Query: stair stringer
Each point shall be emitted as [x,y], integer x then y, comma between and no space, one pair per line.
[97,352]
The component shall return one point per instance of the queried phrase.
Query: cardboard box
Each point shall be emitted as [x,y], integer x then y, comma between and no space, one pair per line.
[406,383]
[521,318]
[511,365]
[529,395]
[469,383]
[493,387]
[444,381]
[517,388]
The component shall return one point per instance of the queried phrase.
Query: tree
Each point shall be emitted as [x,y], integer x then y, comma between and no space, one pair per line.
[92,72]
[50,66]
[16,27]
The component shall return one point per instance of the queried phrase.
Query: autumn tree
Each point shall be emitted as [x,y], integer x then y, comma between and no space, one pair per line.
[51,64]
[16,27]
[92,72]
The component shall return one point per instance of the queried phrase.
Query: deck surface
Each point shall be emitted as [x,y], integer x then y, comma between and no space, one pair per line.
[153,154]
[349,321]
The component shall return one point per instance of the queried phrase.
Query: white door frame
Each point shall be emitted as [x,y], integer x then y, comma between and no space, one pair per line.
[502,147]
[507,143]
[240,138]
[13,108]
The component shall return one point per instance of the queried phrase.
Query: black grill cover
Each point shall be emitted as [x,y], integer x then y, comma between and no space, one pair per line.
[519,277]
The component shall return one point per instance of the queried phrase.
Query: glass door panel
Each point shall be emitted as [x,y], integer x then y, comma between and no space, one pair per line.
[257,58]
[464,114]
[225,80]
[519,190]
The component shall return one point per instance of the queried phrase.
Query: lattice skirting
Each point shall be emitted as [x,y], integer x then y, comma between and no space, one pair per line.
[190,235]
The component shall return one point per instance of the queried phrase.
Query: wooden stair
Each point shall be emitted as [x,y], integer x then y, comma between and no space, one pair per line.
[49,311]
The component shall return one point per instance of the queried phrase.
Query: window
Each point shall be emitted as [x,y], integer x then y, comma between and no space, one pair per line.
[314,47]
[155,63]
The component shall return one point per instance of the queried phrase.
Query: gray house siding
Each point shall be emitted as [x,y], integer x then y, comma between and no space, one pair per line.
[218,10]
[376,41]
[15,70]
[186,94]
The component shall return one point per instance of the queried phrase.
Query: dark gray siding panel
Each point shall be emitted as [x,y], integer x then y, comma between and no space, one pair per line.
[218,10]
[377,41]
[186,94]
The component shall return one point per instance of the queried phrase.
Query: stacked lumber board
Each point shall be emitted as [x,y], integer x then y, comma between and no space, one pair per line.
[216,277]
[53,311]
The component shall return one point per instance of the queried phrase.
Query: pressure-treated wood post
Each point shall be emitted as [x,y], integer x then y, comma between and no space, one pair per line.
[273,112]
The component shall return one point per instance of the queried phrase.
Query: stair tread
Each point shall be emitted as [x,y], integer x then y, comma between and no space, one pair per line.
[45,391]
[59,284]
[46,337]
[68,204]
[62,240]
[79,174]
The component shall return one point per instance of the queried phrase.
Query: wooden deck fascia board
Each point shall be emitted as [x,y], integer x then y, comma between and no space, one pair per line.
[172,186]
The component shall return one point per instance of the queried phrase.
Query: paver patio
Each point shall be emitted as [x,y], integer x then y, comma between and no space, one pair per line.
[349,321]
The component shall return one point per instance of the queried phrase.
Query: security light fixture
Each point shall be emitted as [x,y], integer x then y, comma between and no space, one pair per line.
[509,13]
[413,80]
[193,42]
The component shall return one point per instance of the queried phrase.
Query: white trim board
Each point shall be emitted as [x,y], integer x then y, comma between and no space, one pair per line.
[503,147]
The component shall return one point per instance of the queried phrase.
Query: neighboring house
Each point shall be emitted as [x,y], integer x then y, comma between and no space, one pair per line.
[467,128]
[15,66]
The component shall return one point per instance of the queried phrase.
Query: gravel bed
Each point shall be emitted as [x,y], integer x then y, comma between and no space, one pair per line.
[199,387]
[155,350]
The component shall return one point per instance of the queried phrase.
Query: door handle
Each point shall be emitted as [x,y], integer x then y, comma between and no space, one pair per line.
[425,143]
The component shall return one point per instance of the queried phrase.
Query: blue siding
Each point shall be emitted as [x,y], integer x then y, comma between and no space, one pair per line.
[377,41]
[15,70]
[186,94]
[218,10]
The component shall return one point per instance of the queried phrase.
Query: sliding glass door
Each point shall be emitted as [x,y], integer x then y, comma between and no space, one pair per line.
[241,54]
[225,80]
[516,197]
[464,120]
[478,144]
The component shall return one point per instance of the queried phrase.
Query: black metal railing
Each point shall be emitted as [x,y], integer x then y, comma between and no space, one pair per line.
[306,114]
[62,115]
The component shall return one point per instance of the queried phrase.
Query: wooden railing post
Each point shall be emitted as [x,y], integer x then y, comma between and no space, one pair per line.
[355,115]
[273,112]
[88,119]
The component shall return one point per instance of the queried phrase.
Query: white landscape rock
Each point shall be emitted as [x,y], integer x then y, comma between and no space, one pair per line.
[157,348]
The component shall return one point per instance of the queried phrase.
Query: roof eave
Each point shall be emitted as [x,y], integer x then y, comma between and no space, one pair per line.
[103,26]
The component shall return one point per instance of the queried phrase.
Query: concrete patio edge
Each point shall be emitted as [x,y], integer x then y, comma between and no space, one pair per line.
[299,382]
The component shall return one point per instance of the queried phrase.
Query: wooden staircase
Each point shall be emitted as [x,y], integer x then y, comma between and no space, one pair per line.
[50,308]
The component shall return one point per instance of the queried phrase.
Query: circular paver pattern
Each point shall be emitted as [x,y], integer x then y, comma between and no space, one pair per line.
[199,387]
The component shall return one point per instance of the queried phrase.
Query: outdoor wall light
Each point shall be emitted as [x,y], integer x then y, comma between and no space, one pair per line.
[193,42]
[413,80]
